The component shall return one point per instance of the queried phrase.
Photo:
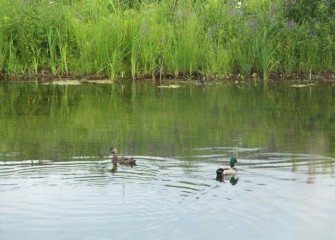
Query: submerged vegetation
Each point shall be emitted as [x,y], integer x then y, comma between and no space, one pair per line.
[166,38]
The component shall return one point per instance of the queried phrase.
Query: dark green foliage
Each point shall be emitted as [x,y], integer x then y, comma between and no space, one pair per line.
[157,38]
[26,24]
[310,10]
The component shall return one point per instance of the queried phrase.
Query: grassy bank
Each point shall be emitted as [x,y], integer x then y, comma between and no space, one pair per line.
[168,38]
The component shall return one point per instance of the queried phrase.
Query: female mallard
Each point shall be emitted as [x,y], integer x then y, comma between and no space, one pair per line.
[227,170]
[122,160]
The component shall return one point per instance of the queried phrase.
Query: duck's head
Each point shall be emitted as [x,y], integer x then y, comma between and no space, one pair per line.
[113,150]
[232,162]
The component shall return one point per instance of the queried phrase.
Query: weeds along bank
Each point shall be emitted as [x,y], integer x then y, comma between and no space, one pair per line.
[145,39]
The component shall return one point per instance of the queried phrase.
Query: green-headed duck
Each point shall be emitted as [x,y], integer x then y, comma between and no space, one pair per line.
[227,170]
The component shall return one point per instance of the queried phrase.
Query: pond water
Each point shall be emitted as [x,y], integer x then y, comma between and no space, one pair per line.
[57,181]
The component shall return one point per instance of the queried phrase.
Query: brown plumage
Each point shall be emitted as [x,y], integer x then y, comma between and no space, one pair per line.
[122,160]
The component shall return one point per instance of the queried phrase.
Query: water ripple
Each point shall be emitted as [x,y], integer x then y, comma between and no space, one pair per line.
[161,193]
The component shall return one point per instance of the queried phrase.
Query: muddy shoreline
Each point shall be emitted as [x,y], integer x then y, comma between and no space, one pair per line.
[325,77]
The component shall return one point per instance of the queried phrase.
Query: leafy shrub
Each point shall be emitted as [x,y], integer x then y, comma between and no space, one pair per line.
[310,10]
[25,26]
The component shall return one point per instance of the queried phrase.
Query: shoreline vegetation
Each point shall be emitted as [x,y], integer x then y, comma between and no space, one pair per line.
[155,39]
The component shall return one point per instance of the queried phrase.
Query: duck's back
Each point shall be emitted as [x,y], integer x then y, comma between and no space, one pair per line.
[127,160]
[225,167]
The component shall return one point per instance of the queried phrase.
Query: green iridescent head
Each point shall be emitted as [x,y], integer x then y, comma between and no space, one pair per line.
[232,162]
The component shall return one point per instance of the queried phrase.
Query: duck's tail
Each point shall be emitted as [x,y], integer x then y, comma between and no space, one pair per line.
[219,172]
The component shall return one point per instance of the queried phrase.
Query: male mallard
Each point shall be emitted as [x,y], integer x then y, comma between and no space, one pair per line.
[227,170]
[122,160]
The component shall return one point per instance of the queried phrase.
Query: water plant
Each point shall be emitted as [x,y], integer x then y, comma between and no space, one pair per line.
[265,54]
[52,50]
[166,38]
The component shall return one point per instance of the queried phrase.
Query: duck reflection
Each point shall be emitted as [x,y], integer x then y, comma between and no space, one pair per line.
[114,168]
[232,179]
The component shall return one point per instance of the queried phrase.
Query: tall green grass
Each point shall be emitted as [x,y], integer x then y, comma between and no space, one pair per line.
[166,38]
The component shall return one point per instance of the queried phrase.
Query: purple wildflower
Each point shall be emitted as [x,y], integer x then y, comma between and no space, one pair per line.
[293,3]
[289,23]
[231,13]
[252,24]
[272,19]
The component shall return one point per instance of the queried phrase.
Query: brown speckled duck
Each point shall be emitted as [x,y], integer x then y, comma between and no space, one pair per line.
[122,160]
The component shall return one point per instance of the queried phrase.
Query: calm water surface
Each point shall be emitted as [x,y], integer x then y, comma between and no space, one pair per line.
[57,181]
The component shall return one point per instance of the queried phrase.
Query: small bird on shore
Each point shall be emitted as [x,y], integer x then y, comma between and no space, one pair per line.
[227,170]
[123,160]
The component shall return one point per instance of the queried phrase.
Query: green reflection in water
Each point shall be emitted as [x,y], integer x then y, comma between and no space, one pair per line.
[59,122]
